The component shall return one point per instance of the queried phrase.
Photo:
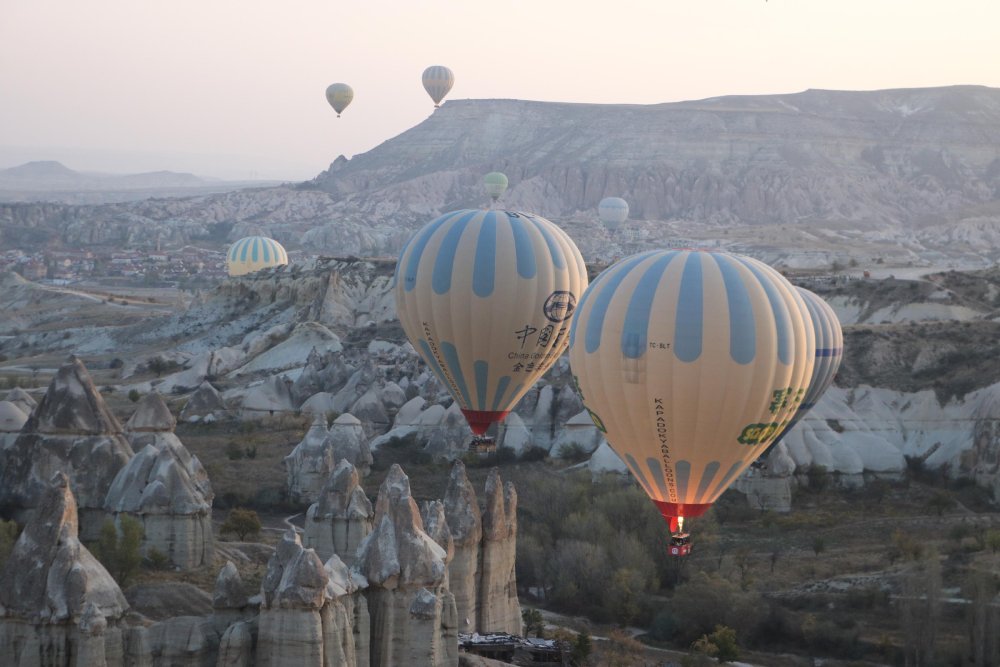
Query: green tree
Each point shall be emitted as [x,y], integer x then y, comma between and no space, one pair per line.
[582,648]
[241,522]
[940,502]
[118,548]
[134,395]
[534,624]
[993,540]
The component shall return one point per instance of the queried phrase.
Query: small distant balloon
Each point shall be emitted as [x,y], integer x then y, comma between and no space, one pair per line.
[438,80]
[612,211]
[496,184]
[339,95]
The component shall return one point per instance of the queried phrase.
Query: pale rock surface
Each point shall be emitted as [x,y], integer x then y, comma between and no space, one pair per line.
[310,463]
[12,418]
[166,489]
[436,525]
[499,609]
[579,433]
[319,404]
[605,460]
[542,424]
[271,397]
[206,401]
[413,618]
[73,431]
[516,435]
[294,351]
[22,399]
[57,602]
[341,518]
[348,440]
[409,413]
[447,440]
[465,527]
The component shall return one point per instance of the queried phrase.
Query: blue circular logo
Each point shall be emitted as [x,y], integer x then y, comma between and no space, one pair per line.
[559,306]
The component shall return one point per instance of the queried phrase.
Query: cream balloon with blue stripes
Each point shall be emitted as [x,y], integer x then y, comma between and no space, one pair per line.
[486,299]
[691,363]
[612,211]
[253,254]
[437,80]
[829,353]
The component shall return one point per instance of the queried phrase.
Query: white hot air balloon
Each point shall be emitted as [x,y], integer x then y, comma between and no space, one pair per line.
[495,183]
[486,298]
[613,211]
[691,363]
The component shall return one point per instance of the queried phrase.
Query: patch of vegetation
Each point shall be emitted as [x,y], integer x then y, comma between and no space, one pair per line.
[118,548]
[241,522]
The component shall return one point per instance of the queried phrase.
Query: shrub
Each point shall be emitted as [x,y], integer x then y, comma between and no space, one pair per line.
[118,548]
[534,625]
[720,644]
[233,451]
[9,533]
[134,395]
[241,522]
[157,560]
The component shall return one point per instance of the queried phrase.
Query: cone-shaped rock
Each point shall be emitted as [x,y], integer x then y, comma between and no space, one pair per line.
[349,441]
[309,465]
[465,526]
[151,415]
[499,609]
[73,431]
[22,399]
[204,404]
[341,518]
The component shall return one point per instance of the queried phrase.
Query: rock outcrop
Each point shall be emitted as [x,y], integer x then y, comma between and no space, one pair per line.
[73,431]
[413,616]
[204,405]
[310,464]
[270,398]
[499,609]
[308,610]
[465,525]
[12,418]
[341,518]
[165,488]
[349,441]
[22,399]
[58,605]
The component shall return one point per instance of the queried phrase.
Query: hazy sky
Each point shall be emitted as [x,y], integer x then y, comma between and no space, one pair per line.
[234,88]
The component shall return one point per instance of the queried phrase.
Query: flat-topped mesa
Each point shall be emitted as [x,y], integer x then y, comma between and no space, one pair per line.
[499,609]
[342,516]
[413,619]
[465,526]
[167,489]
[349,441]
[56,599]
[310,464]
[71,430]
[304,619]
[204,405]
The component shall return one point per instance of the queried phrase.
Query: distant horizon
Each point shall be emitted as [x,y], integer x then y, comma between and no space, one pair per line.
[223,167]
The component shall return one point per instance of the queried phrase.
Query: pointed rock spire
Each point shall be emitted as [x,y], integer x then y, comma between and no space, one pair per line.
[73,406]
[151,415]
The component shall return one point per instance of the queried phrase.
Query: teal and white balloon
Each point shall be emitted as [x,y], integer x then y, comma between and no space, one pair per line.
[495,184]
[254,253]
[485,297]
[613,211]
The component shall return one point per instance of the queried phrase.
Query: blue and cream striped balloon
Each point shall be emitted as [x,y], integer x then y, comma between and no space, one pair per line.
[691,363]
[438,80]
[486,297]
[254,253]
[829,354]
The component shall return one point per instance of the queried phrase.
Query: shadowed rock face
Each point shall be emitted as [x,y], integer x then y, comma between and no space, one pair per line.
[465,526]
[206,401]
[499,609]
[151,415]
[310,463]
[22,399]
[71,430]
[58,605]
[166,489]
[349,441]
[342,516]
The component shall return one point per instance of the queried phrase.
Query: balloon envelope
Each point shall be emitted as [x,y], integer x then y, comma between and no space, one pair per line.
[690,362]
[829,352]
[486,298]
[339,95]
[496,184]
[253,254]
[613,211]
[438,80]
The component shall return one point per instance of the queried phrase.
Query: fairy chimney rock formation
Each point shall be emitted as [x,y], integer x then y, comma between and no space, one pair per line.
[461,509]
[310,464]
[71,430]
[22,399]
[56,599]
[348,440]
[413,620]
[165,488]
[499,609]
[307,612]
[341,518]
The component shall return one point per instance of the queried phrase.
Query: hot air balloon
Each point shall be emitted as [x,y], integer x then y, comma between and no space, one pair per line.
[253,254]
[496,184]
[612,211]
[486,299]
[691,363]
[438,80]
[829,353]
[339,95]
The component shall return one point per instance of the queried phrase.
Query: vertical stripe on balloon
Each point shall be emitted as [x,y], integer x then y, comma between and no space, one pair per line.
[782,318]
[481,370]
[444,263]
[420,241]
[742,327]
[689,325]
[524,249]
[455,368]
[604,291]
[635,329]
[502,384]
[706,479]
[682,473]
[484,268]
[554,250]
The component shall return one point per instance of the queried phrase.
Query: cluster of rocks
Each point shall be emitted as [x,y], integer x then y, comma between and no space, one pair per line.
[71,431]
[393,605]
[311,462]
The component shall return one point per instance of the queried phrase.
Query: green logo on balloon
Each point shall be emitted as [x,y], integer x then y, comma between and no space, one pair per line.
[755,434]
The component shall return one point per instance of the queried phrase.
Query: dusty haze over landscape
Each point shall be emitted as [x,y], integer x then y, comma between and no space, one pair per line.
[236,91]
